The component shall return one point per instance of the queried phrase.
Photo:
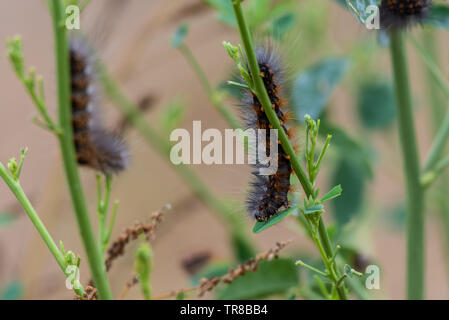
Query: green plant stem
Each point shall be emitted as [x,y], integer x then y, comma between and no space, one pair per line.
[415,206]
[356,287]
[435,78]
[326,251]
[262,95]
[41,107]
[265,100]
[441,165]
[94,257]
[429,59]
[103,208]
[211,92]
[17,190]
[111,223]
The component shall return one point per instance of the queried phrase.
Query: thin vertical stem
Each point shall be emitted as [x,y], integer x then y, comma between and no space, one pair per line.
[264,99]
[262,95]
[415,207]
[95,260]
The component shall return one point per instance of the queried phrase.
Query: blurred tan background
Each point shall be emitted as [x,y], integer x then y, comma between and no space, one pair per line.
[150,183]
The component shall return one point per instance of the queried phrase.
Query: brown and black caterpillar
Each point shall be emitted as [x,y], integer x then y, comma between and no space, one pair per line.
[268,193]
[95,147]
[403,13]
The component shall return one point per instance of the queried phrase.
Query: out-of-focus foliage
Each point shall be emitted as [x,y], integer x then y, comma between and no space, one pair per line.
[263,16]
[215,269]
[6,219]
[179,36]
[171,116]
[271,277]
[242,251]
[360,6]
[352,179]
[376,104]
[12,291]
[313,88]
[439,16]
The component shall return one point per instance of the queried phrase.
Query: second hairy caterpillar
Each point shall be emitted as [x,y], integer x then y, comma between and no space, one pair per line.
[95,147]
[268,193]
[403,13]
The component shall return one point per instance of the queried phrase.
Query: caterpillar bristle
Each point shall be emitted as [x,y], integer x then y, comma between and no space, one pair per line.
[403,13]
[268,193]
[95,147]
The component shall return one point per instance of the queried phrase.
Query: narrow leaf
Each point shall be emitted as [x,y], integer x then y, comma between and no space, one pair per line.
[335,192]
[314,209]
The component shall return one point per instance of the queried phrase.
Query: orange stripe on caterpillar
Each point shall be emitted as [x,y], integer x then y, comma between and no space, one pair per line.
[95,147]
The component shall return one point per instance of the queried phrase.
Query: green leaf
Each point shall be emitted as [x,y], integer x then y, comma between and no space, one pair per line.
[318,208]
[257,12]
[282,24]
[262,225]
[271,277]
[313,88]
[6,218]
[349,174]
[13,291]
[225,11]
[243,250]
[376,104]
[334,193]
[397,216]
[341,2]
[179,36]
[439,16]
[348,146]
[360,6]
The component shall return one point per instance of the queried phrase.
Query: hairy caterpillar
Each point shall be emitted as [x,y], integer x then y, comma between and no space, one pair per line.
[402,13]
[95,147]
[268,193]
